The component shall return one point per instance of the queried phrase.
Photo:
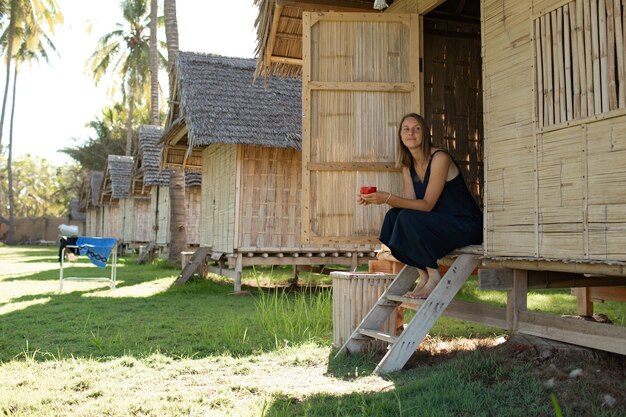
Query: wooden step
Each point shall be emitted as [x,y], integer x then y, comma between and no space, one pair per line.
[375,334]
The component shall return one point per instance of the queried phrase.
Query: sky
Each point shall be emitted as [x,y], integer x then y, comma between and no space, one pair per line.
[55,100]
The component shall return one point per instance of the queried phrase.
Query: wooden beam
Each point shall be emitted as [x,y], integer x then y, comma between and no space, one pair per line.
[278,8]
[326,5]
[360,86]
[601,336]
[502,279]
[353,166]
[285,60]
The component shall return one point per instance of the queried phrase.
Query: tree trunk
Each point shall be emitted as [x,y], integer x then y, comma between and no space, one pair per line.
[178,214]
[154,65]
[11,237]
[129,123]
[171,36]
[9,53]
[178,220]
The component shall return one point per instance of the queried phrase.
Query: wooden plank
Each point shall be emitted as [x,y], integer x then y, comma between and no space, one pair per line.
[555,40]
[517,298]
[607,294]
[195,261]
[502,279]
[464,310]
[427,315]
[353,166]
[306,215]
[357,86]
[600,336]
[549,96]
[378,335]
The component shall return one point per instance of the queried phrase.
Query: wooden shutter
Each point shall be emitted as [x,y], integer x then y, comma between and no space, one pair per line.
[361,74]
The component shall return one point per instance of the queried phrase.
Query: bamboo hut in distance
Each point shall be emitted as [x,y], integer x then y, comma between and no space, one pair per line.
[249,137]
[117,214]
[88,203]
[543,153]
[150,179]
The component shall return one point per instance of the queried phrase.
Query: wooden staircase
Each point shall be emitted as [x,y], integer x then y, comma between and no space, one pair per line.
[196,260]
[402,347]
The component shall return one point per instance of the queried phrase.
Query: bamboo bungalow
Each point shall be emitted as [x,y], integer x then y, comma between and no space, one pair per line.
[150,179]
[88,203]
[249,137]
[116,213]
[529,95]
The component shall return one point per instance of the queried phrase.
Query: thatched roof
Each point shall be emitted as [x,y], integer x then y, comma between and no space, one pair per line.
[279,31]
[117,177]
[149,152]
[219,102]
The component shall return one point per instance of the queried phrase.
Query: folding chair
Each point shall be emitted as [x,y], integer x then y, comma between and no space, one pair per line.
[98,250]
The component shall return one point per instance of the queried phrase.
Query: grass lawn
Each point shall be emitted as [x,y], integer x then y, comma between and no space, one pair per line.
[150,349]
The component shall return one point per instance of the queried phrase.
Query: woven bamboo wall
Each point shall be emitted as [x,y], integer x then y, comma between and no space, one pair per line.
[160,209]
[91,222]
[142,231]
[111,221]
[358,80]
[269,214]
[219,174]
[127,219]
[99,228]
[193,196]
[510,180]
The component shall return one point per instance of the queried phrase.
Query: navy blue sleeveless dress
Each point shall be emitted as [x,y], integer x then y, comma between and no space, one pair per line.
[419,238]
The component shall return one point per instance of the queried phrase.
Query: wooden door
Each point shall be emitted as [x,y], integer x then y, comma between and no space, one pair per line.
[361,74]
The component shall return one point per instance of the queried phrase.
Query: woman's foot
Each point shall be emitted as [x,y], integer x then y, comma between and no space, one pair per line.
[433,279]
[423,279]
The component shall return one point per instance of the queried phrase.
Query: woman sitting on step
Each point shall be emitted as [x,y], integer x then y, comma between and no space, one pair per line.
[436,212]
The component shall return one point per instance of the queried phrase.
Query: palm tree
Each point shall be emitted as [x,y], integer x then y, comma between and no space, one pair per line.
[154,65]
[178,219]
[25,33]
[127,50]
[25,16]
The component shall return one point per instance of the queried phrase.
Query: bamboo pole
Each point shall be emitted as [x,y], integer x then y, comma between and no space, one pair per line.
[604,55]
[539,72]
[580,38]
[588,57]
[575,69]
[547,61]
[595,55]
[619,47]
[556,70]
[567,50]
[561,64]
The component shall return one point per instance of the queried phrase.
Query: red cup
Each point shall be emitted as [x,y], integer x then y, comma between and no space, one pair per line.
[367,190]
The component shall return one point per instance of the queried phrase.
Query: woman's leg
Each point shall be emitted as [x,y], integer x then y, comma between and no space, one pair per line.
[433,279]
[422,280]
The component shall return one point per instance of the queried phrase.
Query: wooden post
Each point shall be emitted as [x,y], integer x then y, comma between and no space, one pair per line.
[238,270]
[516,298]
[585,305]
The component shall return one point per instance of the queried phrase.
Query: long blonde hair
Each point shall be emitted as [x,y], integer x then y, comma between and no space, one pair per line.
[405,159]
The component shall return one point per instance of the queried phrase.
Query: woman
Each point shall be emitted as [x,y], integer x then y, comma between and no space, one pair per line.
[436,213]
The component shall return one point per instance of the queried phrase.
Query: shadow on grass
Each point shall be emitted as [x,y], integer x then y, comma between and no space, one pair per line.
[478,383]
